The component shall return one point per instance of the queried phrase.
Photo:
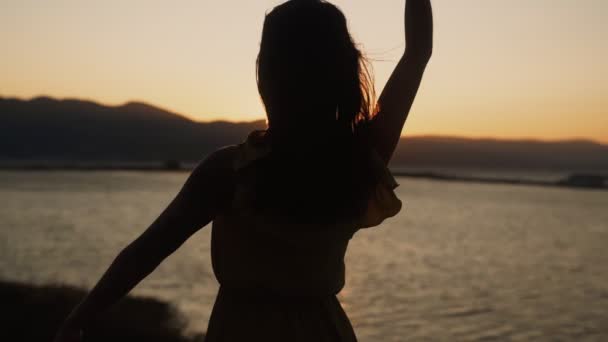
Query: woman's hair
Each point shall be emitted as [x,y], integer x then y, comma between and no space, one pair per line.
[310,72]
[319,96]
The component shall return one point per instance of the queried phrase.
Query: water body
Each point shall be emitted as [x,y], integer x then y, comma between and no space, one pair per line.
[462,262]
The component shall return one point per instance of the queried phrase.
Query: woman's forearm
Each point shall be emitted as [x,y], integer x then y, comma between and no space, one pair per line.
[193,208]
[127,270]
[419,28]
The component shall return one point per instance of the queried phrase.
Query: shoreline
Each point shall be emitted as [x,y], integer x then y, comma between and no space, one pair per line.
[574,181]
[589,181]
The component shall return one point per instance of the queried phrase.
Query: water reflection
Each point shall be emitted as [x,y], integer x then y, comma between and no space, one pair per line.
[462,261]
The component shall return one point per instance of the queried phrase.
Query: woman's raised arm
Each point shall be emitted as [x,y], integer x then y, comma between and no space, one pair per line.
[205,193]
[398,95]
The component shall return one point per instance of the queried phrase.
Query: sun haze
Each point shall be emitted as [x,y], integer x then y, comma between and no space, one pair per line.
[505,69]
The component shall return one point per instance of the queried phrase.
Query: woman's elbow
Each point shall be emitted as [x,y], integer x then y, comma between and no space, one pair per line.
[419,56]
[426,54]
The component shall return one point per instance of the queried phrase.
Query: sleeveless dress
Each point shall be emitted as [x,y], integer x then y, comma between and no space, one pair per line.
[278,281]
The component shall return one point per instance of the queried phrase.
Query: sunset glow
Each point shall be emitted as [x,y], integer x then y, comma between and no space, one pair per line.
[504,69]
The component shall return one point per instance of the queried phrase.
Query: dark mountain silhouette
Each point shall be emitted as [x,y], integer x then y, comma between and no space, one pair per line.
[573,155]
[74,130]
[45,129]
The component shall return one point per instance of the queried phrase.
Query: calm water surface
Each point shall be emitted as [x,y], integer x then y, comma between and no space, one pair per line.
[462,262]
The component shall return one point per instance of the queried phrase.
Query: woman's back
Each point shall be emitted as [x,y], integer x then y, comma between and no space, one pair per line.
[278,274]
[255,253]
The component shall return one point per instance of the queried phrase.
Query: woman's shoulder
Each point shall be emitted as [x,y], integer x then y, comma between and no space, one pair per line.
[214,171]
[218,169]
[222,159]
[232,157]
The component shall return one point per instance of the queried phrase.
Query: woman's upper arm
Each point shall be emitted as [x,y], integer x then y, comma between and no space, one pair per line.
[206,192]
[394,105]
[398,95]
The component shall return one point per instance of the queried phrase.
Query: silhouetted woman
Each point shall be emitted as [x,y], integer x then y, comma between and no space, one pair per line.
[286,202]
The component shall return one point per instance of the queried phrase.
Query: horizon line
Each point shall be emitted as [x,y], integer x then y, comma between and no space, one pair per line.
[403,135]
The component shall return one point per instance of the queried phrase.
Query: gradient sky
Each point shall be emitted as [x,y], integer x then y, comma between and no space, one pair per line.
[501,68]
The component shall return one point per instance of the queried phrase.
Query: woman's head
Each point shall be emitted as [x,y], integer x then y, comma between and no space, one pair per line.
[310,73]
[317,91]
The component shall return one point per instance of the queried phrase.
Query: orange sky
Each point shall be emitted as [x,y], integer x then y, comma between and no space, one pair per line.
[506,69]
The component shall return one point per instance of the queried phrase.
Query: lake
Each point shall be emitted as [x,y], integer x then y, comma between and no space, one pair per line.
[461,262]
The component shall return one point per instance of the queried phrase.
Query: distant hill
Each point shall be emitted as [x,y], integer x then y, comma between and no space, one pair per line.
[74,130]
[446,152]
[50,130]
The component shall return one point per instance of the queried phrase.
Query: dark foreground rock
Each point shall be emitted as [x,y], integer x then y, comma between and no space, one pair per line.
[33,314]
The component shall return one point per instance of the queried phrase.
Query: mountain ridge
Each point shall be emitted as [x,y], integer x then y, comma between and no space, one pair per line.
[76,130]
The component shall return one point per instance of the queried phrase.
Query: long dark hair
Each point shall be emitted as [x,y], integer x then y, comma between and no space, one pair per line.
[319,97]
[309,70]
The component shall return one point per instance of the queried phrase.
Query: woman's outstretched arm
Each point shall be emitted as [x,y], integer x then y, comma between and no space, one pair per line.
[205,193]
[398,95]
